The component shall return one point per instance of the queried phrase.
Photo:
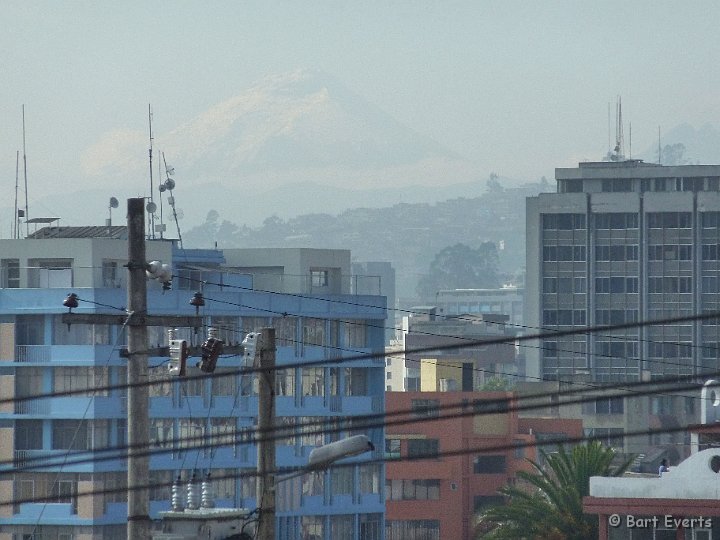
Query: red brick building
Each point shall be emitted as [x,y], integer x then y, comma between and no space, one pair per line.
[438,496]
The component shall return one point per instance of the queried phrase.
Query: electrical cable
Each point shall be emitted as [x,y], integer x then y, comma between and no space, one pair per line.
[370,356]
[408,311]
[478,407]
[375,461]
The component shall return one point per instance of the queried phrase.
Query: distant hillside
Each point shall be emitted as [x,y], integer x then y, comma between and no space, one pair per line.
[408,235]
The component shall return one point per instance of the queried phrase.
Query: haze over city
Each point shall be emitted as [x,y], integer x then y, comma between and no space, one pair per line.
[460,90]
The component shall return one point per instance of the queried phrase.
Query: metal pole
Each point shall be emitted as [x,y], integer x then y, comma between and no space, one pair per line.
[265,487]
[138,527]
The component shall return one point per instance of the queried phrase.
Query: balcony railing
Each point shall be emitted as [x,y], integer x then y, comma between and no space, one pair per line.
[32,353]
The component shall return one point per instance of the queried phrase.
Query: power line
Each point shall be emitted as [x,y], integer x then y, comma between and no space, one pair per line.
[408,311]
[478,407]
[376,461]
[370,356]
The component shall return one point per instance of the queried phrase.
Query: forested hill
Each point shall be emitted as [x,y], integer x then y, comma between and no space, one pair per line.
[407,235]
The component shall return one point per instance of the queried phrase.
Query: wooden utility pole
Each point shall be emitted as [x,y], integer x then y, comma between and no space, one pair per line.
[265,487]
[137,321]
[138,526]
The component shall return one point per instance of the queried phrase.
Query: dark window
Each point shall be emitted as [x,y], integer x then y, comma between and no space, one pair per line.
[710,252]
[563,222]
[669,220]
[425,407]
[670,252]
[422,529]
[412,490]
[489,464]
[490,406]
[618,221]
[423,448]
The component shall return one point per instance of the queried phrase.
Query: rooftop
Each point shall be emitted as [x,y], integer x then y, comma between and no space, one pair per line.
[117,232]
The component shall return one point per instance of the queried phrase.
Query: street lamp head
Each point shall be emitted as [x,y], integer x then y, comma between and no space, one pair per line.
[326,455]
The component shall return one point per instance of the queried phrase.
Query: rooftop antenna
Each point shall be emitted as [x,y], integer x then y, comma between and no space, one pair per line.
[619,138]
[630,146]
[169,185]
[27,215]
[151,217]
[659,148]
[16,219]
[114,203]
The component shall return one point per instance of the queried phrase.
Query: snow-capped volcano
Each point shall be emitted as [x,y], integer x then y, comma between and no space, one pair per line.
[297,127]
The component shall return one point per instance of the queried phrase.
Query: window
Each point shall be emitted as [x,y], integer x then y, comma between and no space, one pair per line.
[423,408]
[341,480]
[285,382]
[616,253]
[420,529]
[489,464]
[313,381]
[10,273]
[355,333]
[109,274]
[319,278]
[618,221]
[28,435]
[616,316]
[392,448]
[670,285]
[563,222]
[669,220]
[313,331]
[710,220]
[428,448]
[604,406]
[369,527]
[660,349]
[355,381]
[710,252]
[490,406]
[369,478]
[285,331]
[81,379]
[564,253]
[617,184]
[606,285]
[412,490]
[342,526]
[670,252]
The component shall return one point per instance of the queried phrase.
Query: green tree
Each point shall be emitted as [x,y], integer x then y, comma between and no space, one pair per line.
[461,267]
[552,507]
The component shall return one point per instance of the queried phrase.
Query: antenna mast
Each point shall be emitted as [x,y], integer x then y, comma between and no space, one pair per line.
[151,217]
[27,215]
[17,175]
[659,148]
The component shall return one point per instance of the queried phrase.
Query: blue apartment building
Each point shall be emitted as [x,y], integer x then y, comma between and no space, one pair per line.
[305,294]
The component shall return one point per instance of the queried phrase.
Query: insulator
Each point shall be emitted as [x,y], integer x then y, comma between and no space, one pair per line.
[176,500]
[207,499]
[193,495]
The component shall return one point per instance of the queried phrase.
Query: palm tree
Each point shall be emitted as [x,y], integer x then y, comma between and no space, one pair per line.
[552,507]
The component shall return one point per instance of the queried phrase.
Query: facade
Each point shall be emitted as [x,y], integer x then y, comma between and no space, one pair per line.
[503,301]
[464,368]
[679,504]
[437,497]
[304,294]
[368,276]
[621,242]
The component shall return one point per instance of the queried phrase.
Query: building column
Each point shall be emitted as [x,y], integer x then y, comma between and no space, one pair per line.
[603,527]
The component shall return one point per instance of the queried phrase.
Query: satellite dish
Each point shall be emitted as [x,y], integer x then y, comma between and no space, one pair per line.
[170,169]
[162,188]
[113,202]
[169,184]
[151,207]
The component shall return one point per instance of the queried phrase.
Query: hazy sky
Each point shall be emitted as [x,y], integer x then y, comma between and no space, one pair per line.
[518,87]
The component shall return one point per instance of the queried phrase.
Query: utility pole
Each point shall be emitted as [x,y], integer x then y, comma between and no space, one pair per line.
[265,487]
[138,526]
[137,321]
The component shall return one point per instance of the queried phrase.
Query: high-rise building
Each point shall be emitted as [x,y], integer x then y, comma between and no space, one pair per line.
[303,293]
[621,242]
